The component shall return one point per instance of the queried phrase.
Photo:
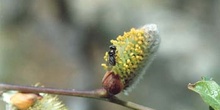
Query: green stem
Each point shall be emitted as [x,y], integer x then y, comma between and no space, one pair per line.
[100,94]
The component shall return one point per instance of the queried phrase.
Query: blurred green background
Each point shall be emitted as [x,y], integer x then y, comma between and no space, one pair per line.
[61,44]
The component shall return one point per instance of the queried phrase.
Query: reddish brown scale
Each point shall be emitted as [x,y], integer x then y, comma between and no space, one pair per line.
[112,83]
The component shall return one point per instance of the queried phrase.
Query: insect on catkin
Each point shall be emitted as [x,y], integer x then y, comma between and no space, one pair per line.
[134,51]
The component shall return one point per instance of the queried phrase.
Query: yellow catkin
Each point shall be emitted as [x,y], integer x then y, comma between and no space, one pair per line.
[130,48]
[134,52]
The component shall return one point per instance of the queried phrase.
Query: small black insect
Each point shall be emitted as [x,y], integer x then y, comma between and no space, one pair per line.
[111,55]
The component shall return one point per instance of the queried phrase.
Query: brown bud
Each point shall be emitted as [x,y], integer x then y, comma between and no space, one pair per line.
[24,100]
[112,83]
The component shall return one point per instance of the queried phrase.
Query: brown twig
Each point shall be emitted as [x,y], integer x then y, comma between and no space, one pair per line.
[100,94]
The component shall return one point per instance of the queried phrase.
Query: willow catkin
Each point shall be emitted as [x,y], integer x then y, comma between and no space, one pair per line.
[134,52]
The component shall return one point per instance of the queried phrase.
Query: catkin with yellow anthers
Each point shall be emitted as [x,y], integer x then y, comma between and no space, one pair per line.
[134,52]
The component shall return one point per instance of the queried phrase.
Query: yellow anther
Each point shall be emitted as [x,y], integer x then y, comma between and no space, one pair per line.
[104,66]
[141,38]
[140,42]
[125,65]
[138,34]
[141,52]
[131,54]
[132,48]
[120,62]
[137,46]
[114,41]
[121,43]
[106,57]
[136,50]
[133,58]
[128,61]
[141,58]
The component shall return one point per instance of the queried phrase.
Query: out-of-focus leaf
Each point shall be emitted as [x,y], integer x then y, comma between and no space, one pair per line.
[210,108]
[209,90]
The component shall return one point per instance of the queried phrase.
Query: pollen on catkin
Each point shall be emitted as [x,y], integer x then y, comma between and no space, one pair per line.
[134,51]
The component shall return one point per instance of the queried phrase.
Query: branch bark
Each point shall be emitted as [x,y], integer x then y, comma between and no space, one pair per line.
[100,94]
